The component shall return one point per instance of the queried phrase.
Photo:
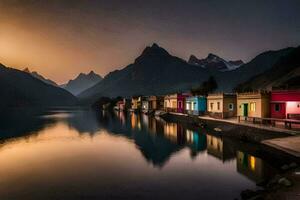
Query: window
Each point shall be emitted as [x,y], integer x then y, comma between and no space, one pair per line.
[277,107]
[252,107]
[188,105]
[218,104]
[211,106]
[230,106]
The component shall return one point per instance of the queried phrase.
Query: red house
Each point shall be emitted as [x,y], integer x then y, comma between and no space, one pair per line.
[181,101]
[285,104]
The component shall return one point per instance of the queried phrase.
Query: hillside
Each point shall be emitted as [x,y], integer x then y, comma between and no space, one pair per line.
[20,89]
[256,66]
[284,73]
[40,77]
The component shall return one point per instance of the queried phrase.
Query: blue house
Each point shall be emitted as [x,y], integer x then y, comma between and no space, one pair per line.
[195,105]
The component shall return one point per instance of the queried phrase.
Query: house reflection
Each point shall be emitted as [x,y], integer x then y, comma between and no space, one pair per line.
[253,167]
[174,132]
[196,141]
[121,116]
[156,126]
[135,121]
[217,147]
[145,121]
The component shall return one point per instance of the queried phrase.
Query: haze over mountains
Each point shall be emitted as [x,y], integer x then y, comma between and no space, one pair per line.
[82,82]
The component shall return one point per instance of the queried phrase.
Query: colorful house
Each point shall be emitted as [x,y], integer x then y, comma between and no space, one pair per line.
[118,105]
[170,103]
[136,103]
[195,105]
[181,97]
[156,103]
[175,102]
[145,104]
[152,103]
[253,104]
[221,105]
[285,104]
[123,105]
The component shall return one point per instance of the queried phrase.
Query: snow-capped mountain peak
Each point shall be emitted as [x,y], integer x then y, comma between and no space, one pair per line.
[215,62]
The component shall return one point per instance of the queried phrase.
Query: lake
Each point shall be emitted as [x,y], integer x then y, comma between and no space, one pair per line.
[81,154]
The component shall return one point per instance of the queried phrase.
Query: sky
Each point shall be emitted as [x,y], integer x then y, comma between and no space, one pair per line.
[62,38]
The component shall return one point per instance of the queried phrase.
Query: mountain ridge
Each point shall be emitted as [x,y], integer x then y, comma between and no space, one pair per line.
[156,72]
[19,88]
[285,71]
[40,77]
[215,62]
[82,82]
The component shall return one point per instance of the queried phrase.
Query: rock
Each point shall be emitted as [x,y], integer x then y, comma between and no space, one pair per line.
[274,181]
[285,167]
[247,194]
[285,182]
[293,165]
[262,183]
[252,195]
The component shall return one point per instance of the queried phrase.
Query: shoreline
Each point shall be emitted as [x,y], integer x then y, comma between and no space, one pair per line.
[226,128]
[285,184]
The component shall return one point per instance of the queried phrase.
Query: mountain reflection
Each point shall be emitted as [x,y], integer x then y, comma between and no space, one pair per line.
[155,138]
[100,153]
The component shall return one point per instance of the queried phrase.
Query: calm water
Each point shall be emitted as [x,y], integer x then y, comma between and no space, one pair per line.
[84,155]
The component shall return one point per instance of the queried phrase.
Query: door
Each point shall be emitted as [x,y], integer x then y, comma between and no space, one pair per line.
[245,110]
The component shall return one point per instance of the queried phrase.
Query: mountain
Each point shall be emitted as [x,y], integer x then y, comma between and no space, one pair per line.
[18,88]
[82,82]
[155,71]
[215,62]
[40,77]
[285,73]
[259,64]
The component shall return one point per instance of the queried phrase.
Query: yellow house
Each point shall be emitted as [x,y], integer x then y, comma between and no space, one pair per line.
[221,105]
[170,103]
[253,104]
[136,103]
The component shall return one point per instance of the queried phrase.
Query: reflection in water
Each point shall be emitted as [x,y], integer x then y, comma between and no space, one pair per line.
[136,121]
[88,155]
[254,168]
[217,147]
